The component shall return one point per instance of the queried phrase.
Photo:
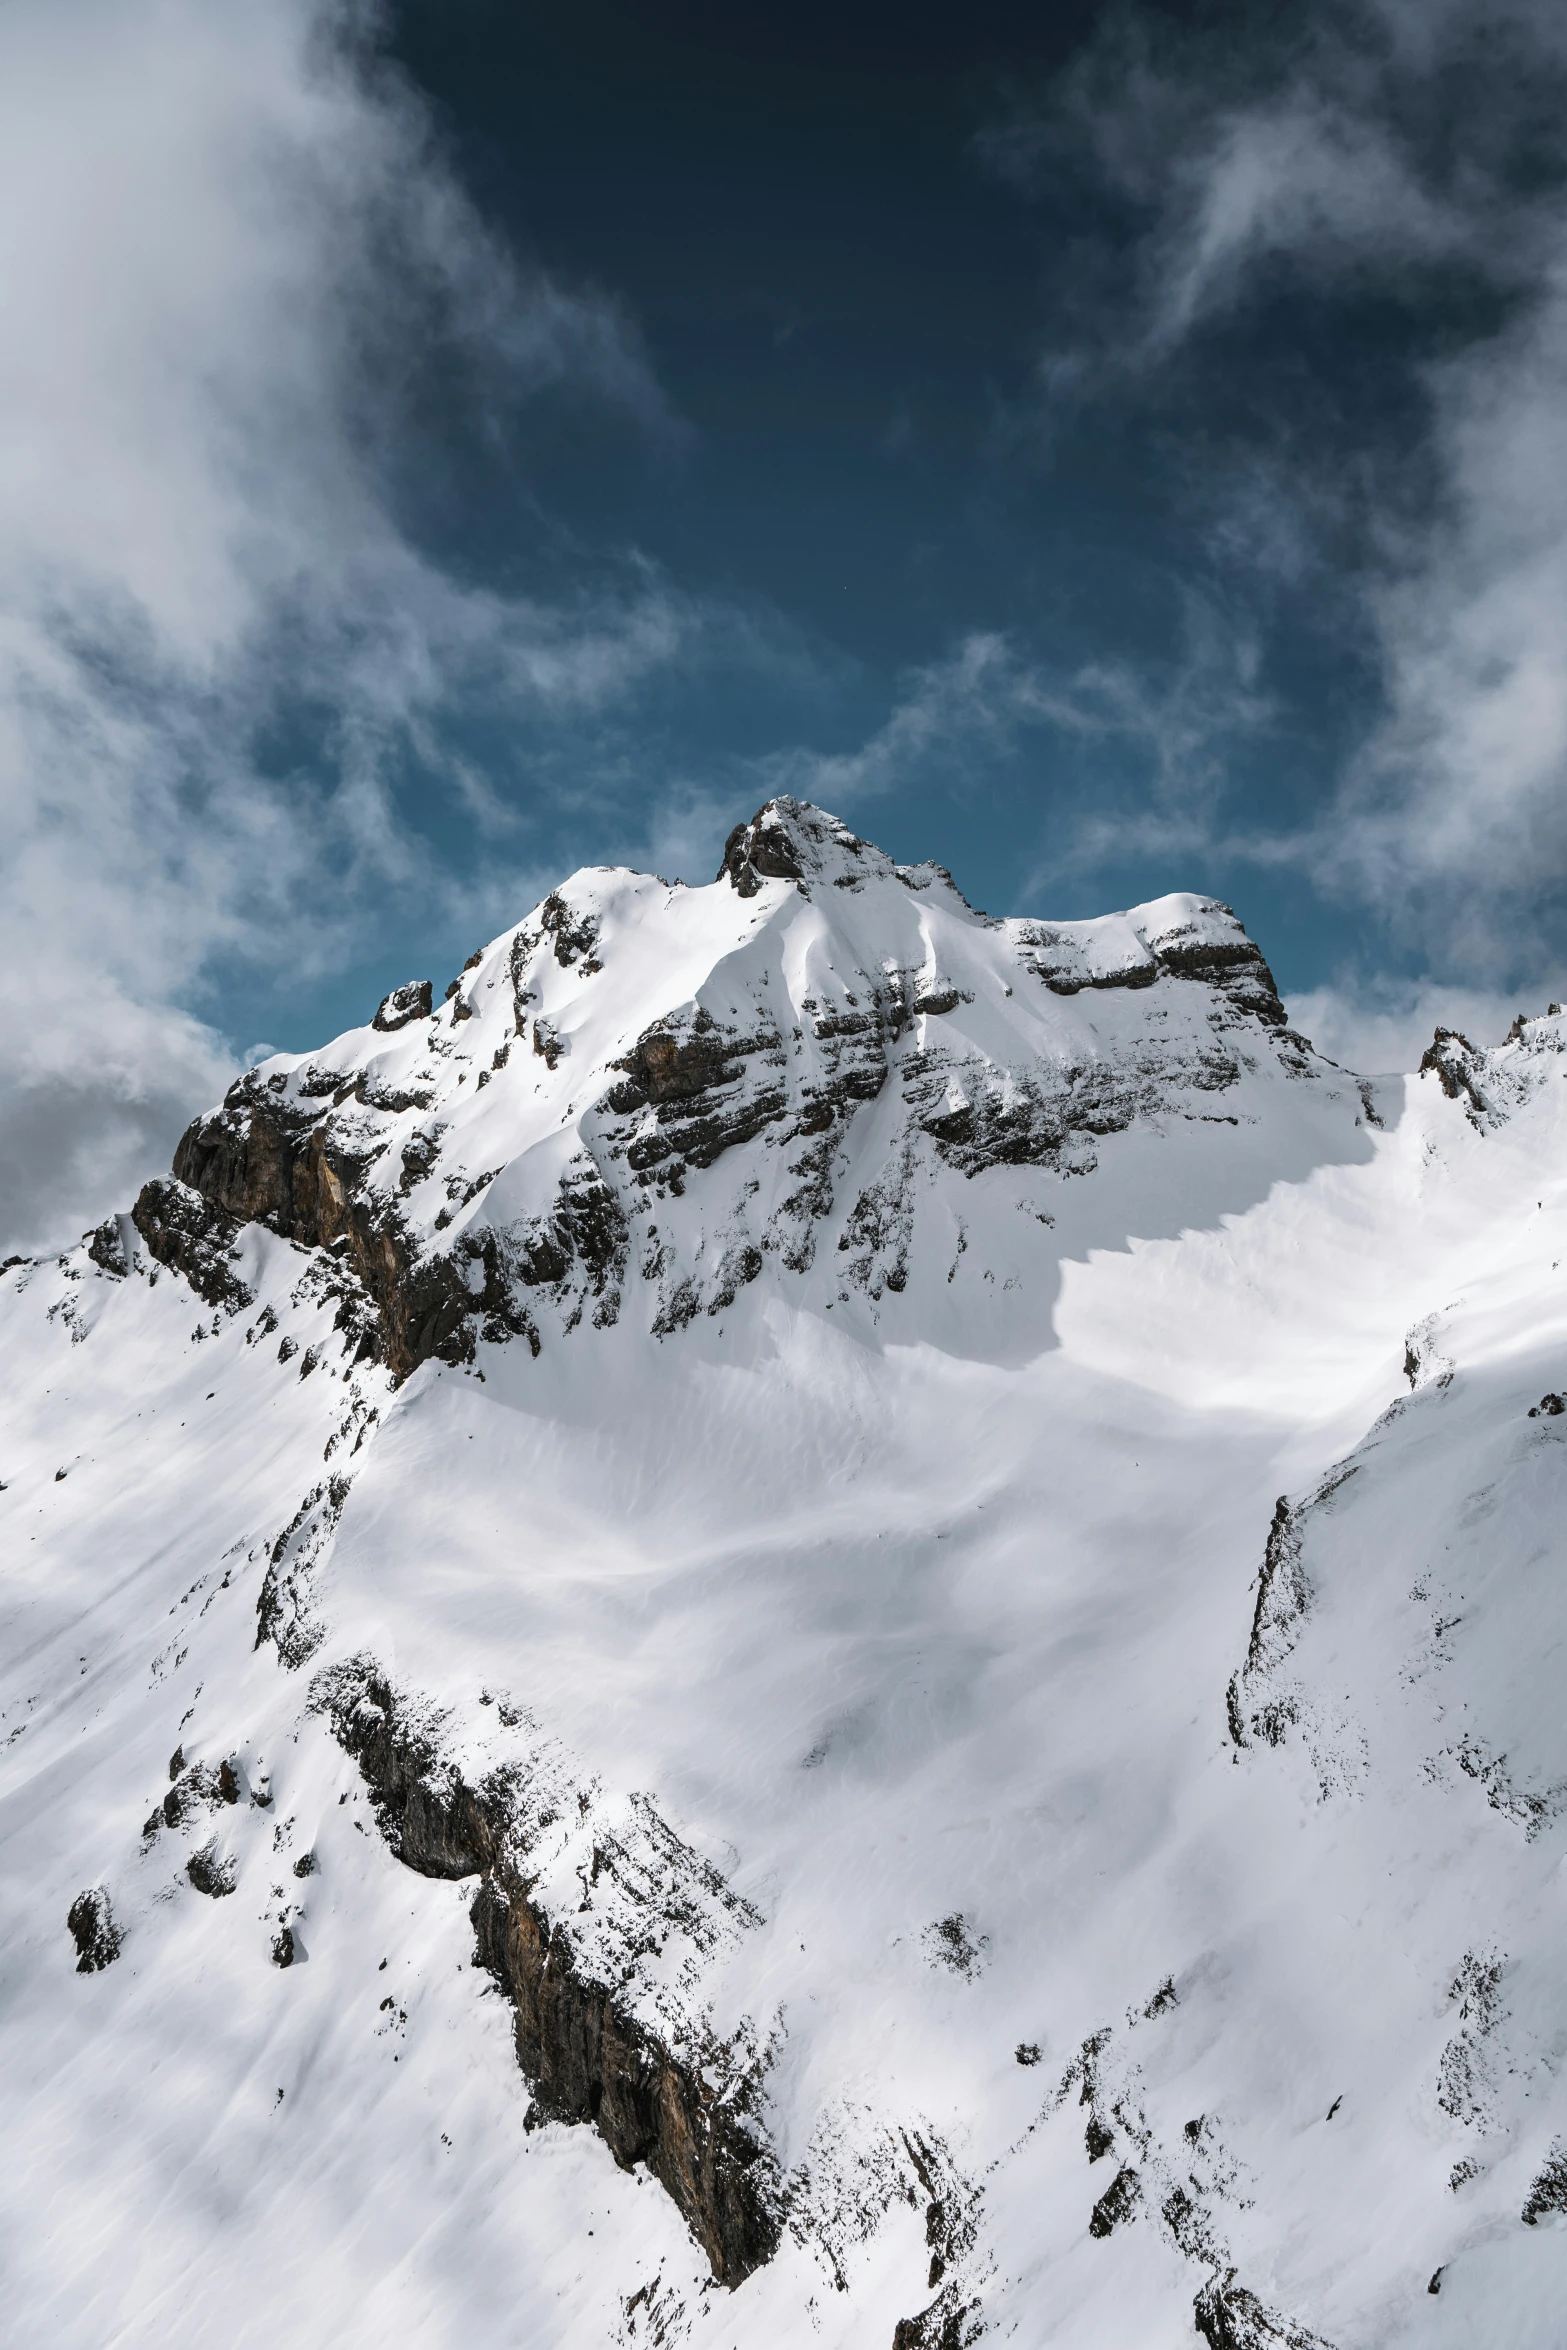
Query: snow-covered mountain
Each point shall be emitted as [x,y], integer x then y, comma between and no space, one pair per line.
[655,1689]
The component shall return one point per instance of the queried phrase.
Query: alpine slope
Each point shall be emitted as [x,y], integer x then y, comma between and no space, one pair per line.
[815,1620]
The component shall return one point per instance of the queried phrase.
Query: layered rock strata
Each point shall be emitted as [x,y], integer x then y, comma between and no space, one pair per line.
[688,2114]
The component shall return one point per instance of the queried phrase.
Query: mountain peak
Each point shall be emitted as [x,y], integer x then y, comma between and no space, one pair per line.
[794,840]
[640,1101]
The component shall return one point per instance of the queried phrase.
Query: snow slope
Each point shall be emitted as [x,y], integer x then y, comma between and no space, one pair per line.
[755,1433]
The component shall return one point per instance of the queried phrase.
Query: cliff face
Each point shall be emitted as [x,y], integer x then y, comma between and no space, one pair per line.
[811,1620]
[690,2114]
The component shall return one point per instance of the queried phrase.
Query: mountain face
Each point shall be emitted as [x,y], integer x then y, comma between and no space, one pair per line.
[634,1036]
[813,1620]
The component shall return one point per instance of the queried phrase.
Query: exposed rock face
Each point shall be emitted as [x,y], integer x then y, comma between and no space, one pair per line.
[1260,1704]
[410,1002]
[1187,949]
[211,1871]
[1228,2317]
[1492,1085]
[196,1237]
[285,1612]
[689,2115]
[261,1159]
[791,840]
[761,850]
[193,1787]
[572,934]
[110,1247]
[946,2325]
[93,1930]
[1117,2204]
[1452,1060]
[702,1089]
[1548,2193]
[953,2320]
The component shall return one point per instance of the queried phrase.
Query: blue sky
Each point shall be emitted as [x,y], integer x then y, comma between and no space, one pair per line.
[1108,448]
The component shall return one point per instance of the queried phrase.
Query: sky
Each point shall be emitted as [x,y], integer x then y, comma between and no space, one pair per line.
[1108,448]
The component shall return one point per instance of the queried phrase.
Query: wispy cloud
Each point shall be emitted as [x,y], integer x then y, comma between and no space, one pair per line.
[987,699]
[1379,1025]
[233,249]
[1170,728]
[1404,150]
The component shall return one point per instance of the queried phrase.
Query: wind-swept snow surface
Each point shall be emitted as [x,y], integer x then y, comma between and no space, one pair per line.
[656,1687]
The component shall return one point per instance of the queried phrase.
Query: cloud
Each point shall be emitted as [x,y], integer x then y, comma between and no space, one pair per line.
[1246,149]
[1167,728]
[235,258]
[1459,796]
[980,693]
[1381,1026]
[1402,152]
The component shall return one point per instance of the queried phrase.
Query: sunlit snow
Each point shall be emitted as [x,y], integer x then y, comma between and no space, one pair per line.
[908,1578]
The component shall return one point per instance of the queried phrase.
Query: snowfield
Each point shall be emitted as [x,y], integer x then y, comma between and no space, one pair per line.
[731,1472]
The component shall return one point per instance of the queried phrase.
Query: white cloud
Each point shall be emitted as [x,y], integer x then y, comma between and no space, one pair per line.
[1303,179]
[229,242]
[1382,1026]
[1460,795]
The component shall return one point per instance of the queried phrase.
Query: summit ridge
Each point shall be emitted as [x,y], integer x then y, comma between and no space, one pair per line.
[518,1156]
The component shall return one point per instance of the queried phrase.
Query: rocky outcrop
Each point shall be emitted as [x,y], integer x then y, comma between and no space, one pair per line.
[793,840]
[193,1787]
[413,1001]
[93,1930]
[212,1871]
[953,2320]
[285,1609]
[688,2113]
[111,1248]
[1492,1084]
[196,1237]
[1210,946]
[263,1159]
[1453,1061]
[1547,2195]
[946,2325]
[693,1090]
[760,851]
[573,934]
[1256,1704]
[1228,2317]
[1117,2204]
[985,1114]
